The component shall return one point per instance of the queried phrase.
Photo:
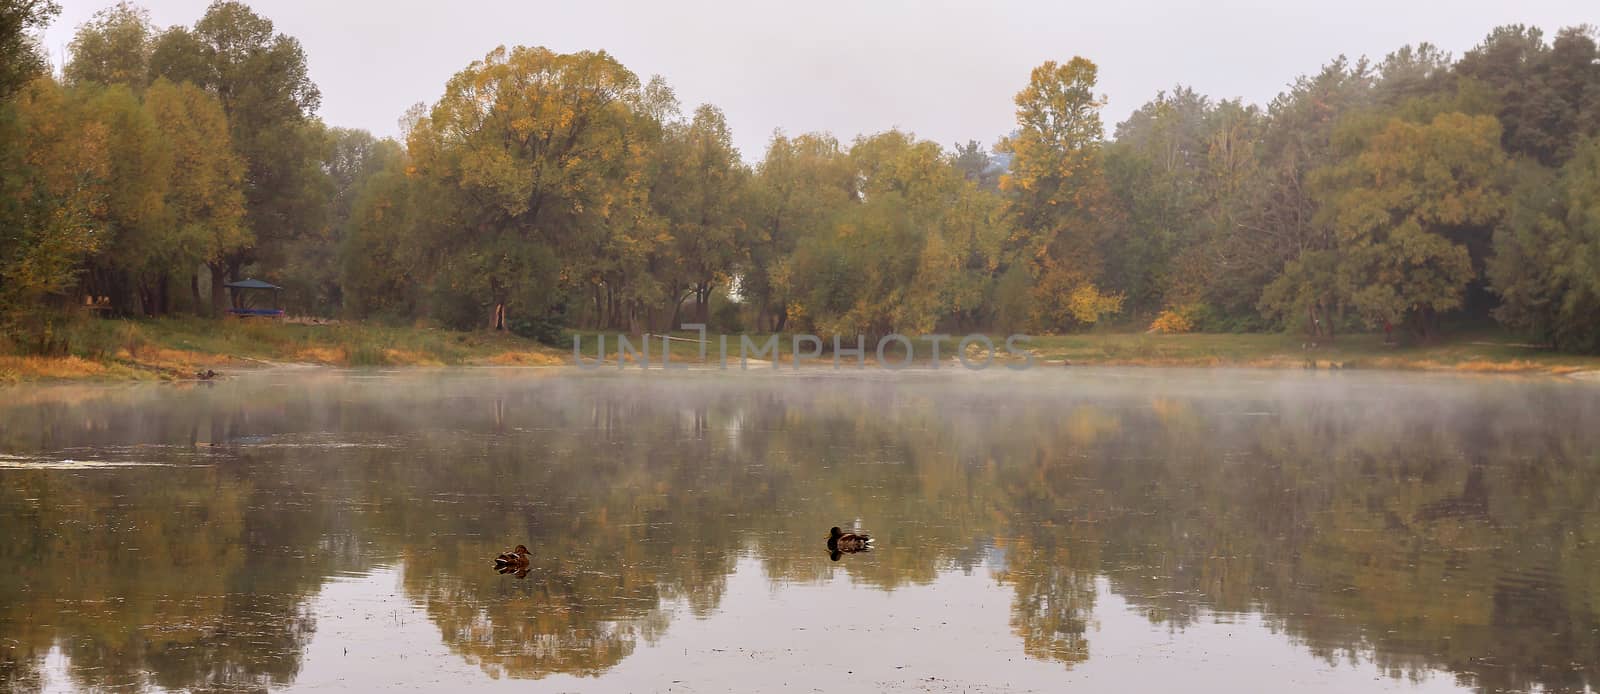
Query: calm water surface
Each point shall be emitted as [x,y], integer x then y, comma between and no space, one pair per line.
[1103,530]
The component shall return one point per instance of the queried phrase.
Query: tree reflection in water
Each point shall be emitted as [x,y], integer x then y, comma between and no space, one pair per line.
[1426,523]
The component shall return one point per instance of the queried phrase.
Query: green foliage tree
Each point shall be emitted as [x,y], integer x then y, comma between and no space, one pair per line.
[1547,92]
[261,80]
[1546,266]
[1402,211]
[799,188]
[700,193]
[113,48]
[20,57]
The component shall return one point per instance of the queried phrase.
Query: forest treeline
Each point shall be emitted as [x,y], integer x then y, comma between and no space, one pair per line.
[544,191]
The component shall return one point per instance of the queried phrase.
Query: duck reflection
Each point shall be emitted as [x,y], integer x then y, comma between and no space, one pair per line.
[518,571]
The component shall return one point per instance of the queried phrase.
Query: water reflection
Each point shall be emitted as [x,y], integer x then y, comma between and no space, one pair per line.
[1417,524]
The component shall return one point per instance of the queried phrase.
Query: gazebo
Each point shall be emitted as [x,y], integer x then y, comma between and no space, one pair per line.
[241,292]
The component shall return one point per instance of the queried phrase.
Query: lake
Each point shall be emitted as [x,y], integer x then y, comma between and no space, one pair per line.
[1097,529]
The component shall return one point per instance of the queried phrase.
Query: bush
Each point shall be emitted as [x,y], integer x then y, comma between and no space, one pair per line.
[727,317]
[1172,322]
[545,329]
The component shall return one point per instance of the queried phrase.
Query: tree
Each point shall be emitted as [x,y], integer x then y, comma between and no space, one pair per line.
[529,137]
[915,244]
[56,163]
[1280,218]
[20,58]
[1057,185]
[261,80]
[801,184]
[113,48]
[1546,264]
[1547,93]
[350,157]
[977,165]
[701,196]
[205,214]
[1158,171]
[1403,211]
[133,258]
[382,253]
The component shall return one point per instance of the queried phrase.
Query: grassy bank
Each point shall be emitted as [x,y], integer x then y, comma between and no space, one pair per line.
[1464,353]
[178,348]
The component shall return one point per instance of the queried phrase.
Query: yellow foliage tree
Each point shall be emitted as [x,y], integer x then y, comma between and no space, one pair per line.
[1058,196]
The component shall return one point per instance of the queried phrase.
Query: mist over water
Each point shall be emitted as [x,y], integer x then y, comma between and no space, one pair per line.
[1109,529]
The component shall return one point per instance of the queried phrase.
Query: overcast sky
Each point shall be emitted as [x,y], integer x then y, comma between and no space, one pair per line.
[944,70]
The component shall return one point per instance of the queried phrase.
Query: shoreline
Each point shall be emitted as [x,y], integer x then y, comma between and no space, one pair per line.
[177,349]
[121,372]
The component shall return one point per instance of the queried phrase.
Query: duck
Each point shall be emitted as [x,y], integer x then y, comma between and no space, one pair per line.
[840,541]
[514,559]
[205,375]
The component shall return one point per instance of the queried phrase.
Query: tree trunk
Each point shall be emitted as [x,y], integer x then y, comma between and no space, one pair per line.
[702,303]
[219,289]
[163,294]
[194,290]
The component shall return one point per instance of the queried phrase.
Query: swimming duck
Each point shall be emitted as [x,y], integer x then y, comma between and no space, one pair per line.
[840,541]
[515,559]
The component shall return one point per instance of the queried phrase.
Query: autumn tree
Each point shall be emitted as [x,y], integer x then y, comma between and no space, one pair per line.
[1057,185]
[204,214]
[135,247]
[56,166]
[530,139]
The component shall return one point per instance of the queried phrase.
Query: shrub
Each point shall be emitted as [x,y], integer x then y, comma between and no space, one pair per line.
[1175,320]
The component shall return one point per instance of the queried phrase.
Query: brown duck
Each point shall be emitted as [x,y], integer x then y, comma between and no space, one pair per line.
[840,542]
[516,559]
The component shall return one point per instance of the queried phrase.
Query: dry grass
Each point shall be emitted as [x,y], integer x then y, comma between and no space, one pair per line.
[48,368]
[526,359]
[406,357]
[321,355]
[173,358]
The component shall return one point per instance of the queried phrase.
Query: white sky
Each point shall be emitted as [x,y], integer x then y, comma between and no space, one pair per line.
[944,70]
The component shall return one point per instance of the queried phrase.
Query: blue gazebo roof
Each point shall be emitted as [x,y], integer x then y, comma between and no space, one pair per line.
[252,284]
